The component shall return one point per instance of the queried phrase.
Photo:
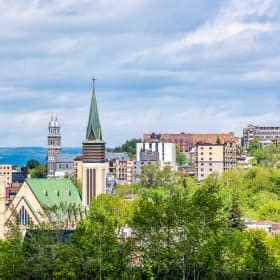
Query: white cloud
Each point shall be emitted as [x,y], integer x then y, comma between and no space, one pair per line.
[149,76]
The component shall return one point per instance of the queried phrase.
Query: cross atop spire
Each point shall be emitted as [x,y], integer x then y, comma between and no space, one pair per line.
[94,132]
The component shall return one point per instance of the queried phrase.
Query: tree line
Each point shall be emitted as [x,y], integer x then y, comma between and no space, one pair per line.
[178,230]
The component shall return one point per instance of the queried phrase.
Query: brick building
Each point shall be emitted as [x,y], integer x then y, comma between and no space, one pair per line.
[186,141]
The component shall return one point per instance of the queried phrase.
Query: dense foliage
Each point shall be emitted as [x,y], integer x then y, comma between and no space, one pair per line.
[35,169]
[181,230]
[181,158]
[267,156]
[128,147]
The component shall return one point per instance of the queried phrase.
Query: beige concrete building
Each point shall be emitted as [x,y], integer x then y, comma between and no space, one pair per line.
[212,158]
[129,171]
[6,171]
[78,168]
[2,205]
[118,168]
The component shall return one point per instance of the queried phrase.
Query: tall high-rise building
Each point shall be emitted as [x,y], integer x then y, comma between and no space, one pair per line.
[95,168]
[54,145]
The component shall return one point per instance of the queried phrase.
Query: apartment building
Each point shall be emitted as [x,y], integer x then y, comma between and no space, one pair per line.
[186,141]
[161,152]
[265,134]
[212,158]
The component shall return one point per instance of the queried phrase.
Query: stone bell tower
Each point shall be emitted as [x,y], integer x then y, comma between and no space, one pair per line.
[54,145]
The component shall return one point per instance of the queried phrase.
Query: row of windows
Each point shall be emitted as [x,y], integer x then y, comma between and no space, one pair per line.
[203,158]
[203,169]
[5,173]
[210,153]
[203,163]
[66,166]
[201,148]
[5,167]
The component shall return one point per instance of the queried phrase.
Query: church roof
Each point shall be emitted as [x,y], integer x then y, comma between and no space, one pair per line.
[65,158]
[50,192]
[94,132]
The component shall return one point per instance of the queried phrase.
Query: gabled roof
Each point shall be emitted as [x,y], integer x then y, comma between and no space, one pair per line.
[50,192]
[94,132]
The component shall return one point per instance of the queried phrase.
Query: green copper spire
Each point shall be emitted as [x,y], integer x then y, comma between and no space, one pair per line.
[94,128]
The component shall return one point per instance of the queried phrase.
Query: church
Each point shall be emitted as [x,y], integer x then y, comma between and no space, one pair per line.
[36,196]
[59,164]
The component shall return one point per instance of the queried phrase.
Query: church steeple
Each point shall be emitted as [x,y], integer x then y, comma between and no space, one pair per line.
[94,132]
[94,146]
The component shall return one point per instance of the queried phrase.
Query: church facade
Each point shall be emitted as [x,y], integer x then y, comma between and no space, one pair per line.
[30,205]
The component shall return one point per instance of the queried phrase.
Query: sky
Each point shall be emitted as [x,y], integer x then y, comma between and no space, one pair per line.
[160,66]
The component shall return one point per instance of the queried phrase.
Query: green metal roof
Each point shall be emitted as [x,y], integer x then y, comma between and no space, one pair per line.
[50,192]
[94,132]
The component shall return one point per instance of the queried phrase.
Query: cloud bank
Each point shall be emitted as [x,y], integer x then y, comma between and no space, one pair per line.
[175,66]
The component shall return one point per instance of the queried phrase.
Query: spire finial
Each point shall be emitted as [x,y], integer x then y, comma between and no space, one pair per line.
[93,82]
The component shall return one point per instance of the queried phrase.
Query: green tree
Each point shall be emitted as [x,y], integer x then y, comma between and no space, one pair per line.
[258,259]
[12,263]
[235,216]
[38,172]
[32,163]
[129,147]
[148,176]
[96,239]
[254,145]
[180,157]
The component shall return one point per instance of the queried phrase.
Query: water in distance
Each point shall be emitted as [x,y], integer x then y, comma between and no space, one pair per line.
[20,155]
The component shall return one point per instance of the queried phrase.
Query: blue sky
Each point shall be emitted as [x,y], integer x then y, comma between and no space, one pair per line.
[163,66]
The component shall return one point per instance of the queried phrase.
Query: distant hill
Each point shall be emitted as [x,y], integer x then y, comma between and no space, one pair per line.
[20,155]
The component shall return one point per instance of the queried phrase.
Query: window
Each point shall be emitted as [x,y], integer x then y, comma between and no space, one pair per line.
[210,169]
[210,163]
[201,153]
[210,158]
[201,169]
[210,148]
[210,153]
[202,158]
[23,217]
